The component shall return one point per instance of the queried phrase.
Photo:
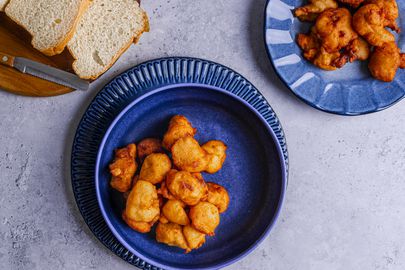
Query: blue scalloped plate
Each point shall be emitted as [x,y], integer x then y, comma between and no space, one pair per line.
[348,91]
[221,104]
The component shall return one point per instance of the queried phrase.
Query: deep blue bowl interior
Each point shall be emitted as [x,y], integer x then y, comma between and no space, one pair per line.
[253,173]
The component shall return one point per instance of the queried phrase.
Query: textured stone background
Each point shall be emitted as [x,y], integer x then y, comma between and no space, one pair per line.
[345,201]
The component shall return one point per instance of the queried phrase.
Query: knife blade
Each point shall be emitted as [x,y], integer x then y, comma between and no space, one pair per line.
[45,72]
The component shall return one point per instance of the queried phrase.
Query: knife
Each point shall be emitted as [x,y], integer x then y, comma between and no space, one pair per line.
[44,72]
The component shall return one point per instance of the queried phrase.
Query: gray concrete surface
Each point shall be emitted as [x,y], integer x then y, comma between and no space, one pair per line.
[345,202]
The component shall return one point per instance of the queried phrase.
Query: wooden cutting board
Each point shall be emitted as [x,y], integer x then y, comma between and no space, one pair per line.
[17,42]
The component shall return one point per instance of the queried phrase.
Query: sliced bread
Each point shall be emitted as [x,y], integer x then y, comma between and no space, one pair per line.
[3,4]
[104,32]
[50,22]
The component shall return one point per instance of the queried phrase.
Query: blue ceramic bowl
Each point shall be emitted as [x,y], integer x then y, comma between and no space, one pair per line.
[347,91]
[254,172]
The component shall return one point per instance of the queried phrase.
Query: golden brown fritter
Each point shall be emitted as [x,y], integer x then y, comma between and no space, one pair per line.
[194,238]
[155,167]
[143,202]
[369,22]
[172,235]
[186,187]
[311,11]
[205,217]
[164,191]
[218,196]
[125,195]
[174,211]
[139,226]
[334,28]
[314,53]
[123,168]
[179,127]
[385,61]
[188,155]
[216,151]
[390,11]
[329,39]
[359,49]
[352,3]
[149,146]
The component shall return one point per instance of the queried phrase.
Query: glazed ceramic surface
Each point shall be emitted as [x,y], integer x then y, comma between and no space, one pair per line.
[347,91]
[221,104]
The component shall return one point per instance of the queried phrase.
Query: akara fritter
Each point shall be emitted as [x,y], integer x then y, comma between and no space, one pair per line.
[311,11]
[216,151]
[139,226]
[327,45]
[390,11]
[155,167]
[185,207]
[171,234]
[186,186]
[149,146]
[194,238]
[123,168]
[143,203]
[164,192]
[179,127]
[352,3]
[218,196]
[188,155]
[369,22]
[334,29]
[385,61]
[174,211]
[205,217]
[314,53]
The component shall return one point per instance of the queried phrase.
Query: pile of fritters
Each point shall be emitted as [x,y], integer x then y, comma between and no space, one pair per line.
[171,191]
[338,37]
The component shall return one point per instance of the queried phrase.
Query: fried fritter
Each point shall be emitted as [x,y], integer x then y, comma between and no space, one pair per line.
[149,146]
[188,155]
[218,196]
[143,202]
[139,226]
[331,35]
[164,191]
[126,193]
[194,238]
[174,211]
[172,235]
[314,53]
[216,155]
[179,127]
[155,167]
[205,217]
[311,11]
[334,29]
[385,61]
[123,168]
[358,49]
[369,22]
[390,11]
[352,3]
[186,187]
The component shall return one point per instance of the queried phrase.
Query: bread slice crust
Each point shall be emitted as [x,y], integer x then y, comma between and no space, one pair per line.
[136,37]
[58,48]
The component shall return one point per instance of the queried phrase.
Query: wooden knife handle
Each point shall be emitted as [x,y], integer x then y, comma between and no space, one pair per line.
[6,59]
